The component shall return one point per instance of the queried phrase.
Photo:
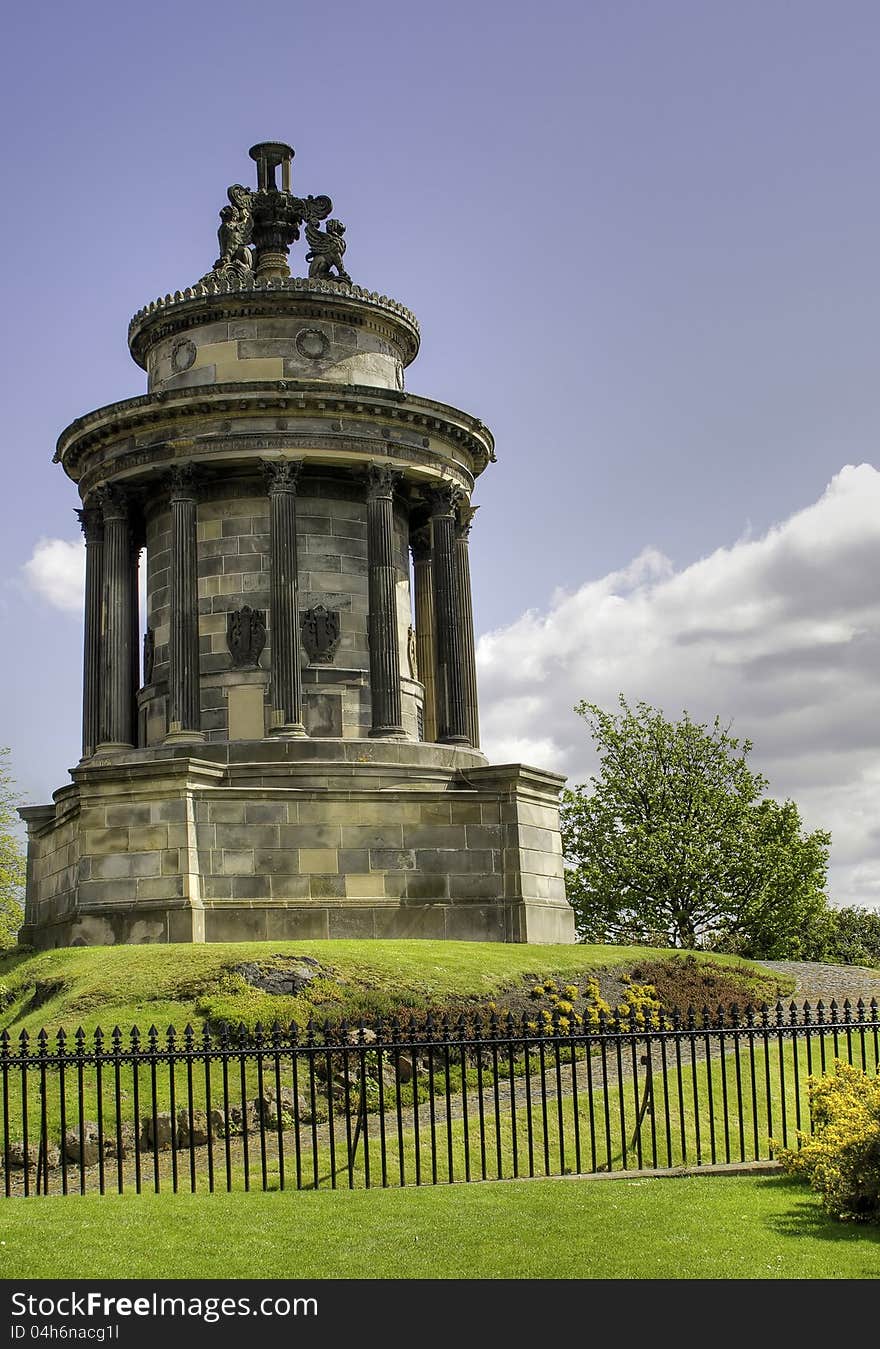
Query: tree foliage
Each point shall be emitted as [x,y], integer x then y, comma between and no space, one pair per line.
[674,842]
[855,936]
[12,862]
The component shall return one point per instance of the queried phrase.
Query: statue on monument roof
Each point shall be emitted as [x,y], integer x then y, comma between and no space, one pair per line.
[326,250]
[270,219]
[236,260]
[236,229]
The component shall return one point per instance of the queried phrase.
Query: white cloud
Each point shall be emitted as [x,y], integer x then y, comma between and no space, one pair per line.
[780,634]
[56,571]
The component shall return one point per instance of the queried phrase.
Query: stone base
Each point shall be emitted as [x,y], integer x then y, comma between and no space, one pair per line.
[299,840]
[178,736]
[538,924]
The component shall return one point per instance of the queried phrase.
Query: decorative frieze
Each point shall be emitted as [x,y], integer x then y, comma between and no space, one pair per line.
[87,440]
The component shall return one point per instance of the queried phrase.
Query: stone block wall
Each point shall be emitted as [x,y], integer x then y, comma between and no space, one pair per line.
[52,863]
[134,849]
[258,348]
[394,845]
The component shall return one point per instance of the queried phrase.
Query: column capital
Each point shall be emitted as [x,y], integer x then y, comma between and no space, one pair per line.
[182,481]
[420,544]
[442,499]
[282,475]
[113,501]
[466,513]
[382,480]
[91,521]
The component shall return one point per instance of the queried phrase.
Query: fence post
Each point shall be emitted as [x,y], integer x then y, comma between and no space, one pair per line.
[42,1151]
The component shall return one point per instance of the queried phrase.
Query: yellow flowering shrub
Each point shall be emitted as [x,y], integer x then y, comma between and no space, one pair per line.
[642,1006]
[596,1005]
[841,1158]
[555,1006]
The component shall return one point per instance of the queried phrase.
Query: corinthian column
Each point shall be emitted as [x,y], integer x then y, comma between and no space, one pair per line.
[137,543]
[451,698]
[115,704]
[92,523]
[384,644]
[281,477]
[466,621]
[426,654]
[184,714]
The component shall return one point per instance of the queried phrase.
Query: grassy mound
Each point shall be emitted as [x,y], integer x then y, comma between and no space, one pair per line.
[330,980]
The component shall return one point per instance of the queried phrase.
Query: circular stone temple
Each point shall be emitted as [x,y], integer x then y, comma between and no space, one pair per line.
[286,743]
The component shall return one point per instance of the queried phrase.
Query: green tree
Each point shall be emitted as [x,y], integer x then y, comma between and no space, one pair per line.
[784,912]
[855,938]
[673,841]
[11,860]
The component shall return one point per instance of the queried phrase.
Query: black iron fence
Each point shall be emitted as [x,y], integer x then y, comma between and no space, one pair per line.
[423,1103]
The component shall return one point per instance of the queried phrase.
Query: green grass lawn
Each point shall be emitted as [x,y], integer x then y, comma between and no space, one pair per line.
[175,984]
[705,1227]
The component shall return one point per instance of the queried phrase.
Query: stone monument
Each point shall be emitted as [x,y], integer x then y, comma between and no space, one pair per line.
[286,745]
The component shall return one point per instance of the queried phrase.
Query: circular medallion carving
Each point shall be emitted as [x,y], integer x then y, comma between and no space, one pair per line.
[312,343]
[183,355]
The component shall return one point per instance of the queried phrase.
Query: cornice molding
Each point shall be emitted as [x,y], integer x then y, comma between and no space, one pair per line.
[209,301]
[282,399]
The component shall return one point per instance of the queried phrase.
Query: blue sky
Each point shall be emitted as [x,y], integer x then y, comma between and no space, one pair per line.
[642,241]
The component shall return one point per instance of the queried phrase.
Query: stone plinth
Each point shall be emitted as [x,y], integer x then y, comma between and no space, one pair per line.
[243,843]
